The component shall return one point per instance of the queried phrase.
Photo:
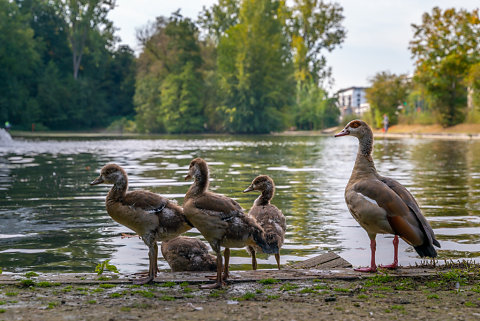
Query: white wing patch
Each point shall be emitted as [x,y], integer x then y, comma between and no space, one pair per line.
[374,202]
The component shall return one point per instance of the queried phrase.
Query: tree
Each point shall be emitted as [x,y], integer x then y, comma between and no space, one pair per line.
[169,84]
[445,45]
[18,61]
[316,27]
[81,17]
[387,91]
[314,109]
[255,70]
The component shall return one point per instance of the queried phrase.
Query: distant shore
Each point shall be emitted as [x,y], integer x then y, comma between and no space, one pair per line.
[461,131]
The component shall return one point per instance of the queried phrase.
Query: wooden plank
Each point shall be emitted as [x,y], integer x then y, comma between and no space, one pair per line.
[328,260]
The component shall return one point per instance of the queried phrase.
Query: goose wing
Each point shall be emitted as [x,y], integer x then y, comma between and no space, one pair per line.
[145,200]
[401,219]
[218,205]
[412,204]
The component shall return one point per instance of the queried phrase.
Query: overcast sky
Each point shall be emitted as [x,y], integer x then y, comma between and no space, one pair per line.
[378,32]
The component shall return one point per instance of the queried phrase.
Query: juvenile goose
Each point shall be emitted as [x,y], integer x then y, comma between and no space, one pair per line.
[381,204]
[267,215]
[220,219]
[188,254]
[153,217]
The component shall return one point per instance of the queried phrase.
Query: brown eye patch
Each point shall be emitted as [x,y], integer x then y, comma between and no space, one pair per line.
[355,124]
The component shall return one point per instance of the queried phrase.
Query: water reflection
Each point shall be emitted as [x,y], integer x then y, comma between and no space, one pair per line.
[50,219]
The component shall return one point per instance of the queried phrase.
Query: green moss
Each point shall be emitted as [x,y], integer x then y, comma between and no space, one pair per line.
[378,280]
[115,295]
[268,281]
[470,304]
[44,284]
[125,309]
[51,305]
[344,290]
[167,298]
[31,274]
[362,296]
[3,302]
[273,296]
[91,301]
[308,290]
[145,294]
[99,290]
[107,285]
[168,284]
[433,296]
[288,286]
[2,310]
[11,293]
[27,283]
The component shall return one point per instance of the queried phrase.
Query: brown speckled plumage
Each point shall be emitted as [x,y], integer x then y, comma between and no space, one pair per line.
[268,216]
[220,219]
[153,217]
[188,254]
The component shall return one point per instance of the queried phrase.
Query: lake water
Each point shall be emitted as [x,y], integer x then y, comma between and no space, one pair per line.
[52,220]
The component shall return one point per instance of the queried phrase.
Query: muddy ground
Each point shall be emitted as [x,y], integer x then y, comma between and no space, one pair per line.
[449,294]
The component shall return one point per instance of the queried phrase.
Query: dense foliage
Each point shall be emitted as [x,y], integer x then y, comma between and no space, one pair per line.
[446,46]
[47,80]
[246,66]
[386,94]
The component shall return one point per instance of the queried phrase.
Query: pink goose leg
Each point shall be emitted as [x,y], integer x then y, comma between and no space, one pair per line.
[373,266]
[394,265]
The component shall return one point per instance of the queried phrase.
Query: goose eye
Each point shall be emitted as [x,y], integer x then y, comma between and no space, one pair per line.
[354,125]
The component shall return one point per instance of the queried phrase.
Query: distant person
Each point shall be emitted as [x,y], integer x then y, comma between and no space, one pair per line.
[7,125]
[385,123]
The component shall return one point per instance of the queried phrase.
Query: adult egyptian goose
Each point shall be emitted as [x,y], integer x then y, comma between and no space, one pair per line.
[381,204]
[188,254]
[220,219]
[153,217]
[267,215]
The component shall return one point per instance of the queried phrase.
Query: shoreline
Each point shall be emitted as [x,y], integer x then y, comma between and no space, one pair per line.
[458,132]
[420,293]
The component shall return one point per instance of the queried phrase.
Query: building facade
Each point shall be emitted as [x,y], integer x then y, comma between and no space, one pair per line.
[352,101]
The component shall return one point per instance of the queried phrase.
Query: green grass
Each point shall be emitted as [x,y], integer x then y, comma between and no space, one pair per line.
[91,301]
[273,296]
[44,284]
[470,304]
[99,290]
[27,283]
[308,290]
[2,310]
[362,296]
[3,302]
[378,279]
[107,286]
[268,281]
[344,290]
[51,305]
[168,284]
[11,293]
[246,296]
[115,295]
[288,287]
[31,274]
[68,288]
[125,309]
[433,296]
[145,294]
[167,298]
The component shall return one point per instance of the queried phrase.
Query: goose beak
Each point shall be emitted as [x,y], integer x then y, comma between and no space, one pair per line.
[344,132]
[188,177]
[97,181]
[248,189]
